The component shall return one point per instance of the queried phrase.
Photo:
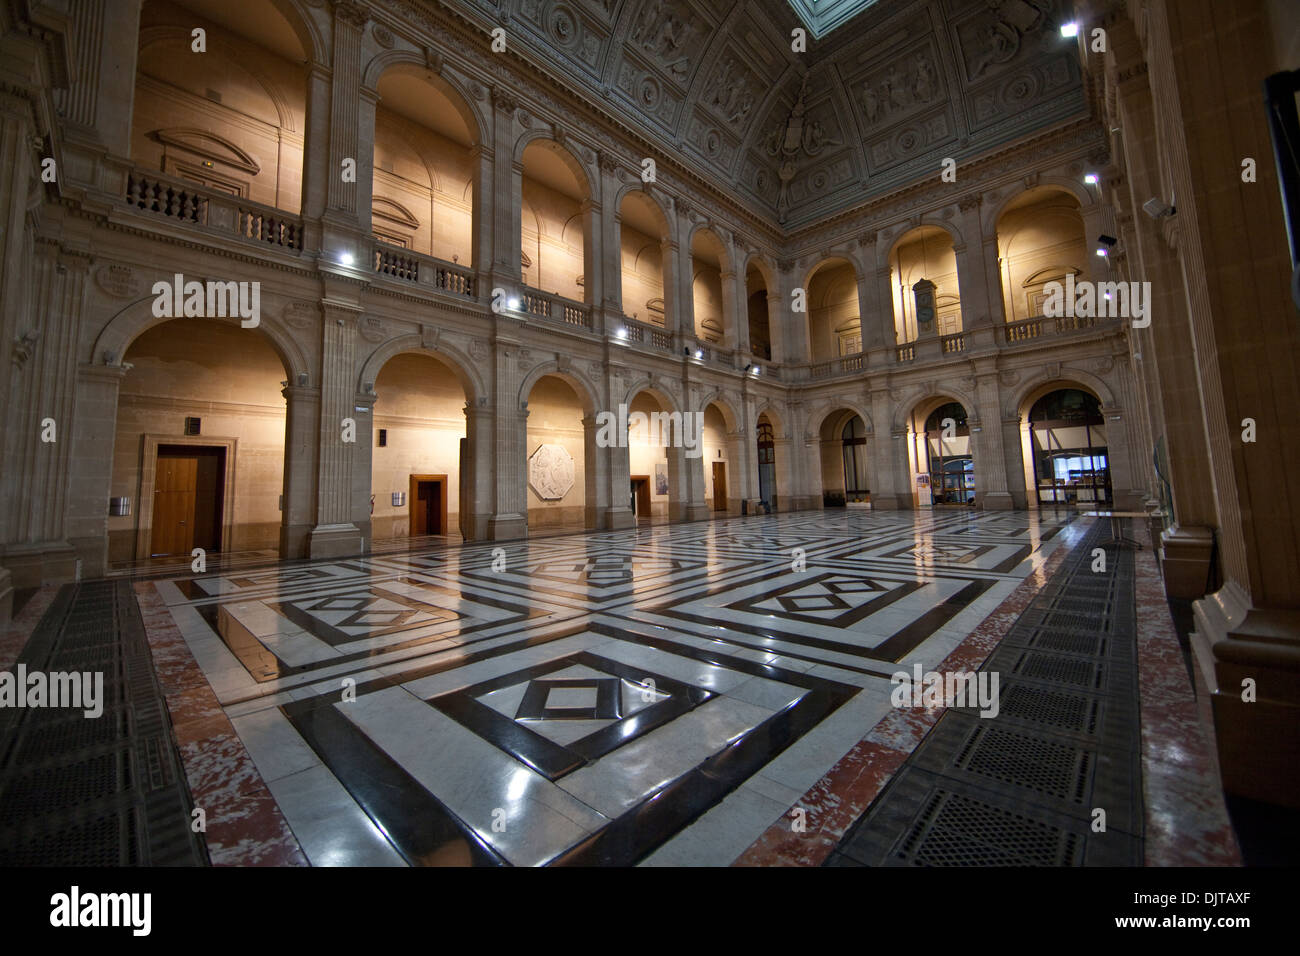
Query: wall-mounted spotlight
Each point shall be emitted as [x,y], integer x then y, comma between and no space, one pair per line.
[512,303]
[1070,29]
[699,353]
[620,332]
[345,258]
[1157,208]
[1105,243]
[753,369]
[1091,179]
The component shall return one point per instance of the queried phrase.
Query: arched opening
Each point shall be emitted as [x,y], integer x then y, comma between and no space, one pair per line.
[708,268]
[756,311]
[419,422]
[422,197]
[1069,462]
[655,460]
[924,253]
[722,469]
[554,223]
[941,456]
[1041,239]
[231,120]
[643,230]
[200,414]
[834,325]
[845,482]
[766,449]
[560,496]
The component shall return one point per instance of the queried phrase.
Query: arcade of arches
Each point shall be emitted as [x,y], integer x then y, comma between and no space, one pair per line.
[460,282]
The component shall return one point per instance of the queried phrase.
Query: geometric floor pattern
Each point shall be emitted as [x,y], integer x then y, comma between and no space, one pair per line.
[617,697]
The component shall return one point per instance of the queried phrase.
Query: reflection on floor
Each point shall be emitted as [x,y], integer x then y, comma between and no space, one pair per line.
[661,695]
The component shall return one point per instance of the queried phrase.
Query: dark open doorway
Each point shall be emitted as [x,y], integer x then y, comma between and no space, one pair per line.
[428,501]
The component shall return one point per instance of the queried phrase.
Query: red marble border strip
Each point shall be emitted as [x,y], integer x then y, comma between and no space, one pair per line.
[847,790]
[20,628]
[1187,820]
[244,825]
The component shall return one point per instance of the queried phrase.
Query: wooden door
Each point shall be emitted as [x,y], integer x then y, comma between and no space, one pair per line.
[719,486]
[174,496]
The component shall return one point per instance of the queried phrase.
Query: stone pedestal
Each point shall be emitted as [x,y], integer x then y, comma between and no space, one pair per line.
[1237,647]
[505,527]
[996,501]
[334,541]
[1185,560]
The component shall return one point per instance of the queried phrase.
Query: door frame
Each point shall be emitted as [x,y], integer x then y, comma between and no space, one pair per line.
[725,503]
[410,502]
[649,496]
[149,475]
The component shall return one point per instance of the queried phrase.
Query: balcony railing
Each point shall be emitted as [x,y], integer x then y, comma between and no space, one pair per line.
[953,343]
[557,308]
[184,202]
[396,262]
[905,353]
[642,333]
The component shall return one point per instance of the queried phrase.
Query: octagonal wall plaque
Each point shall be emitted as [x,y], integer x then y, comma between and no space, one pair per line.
[550,472]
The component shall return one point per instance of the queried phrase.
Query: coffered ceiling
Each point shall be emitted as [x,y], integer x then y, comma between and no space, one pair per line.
[878,102]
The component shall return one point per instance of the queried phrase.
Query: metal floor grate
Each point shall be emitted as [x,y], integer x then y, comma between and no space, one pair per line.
[105,791]
[1022,788]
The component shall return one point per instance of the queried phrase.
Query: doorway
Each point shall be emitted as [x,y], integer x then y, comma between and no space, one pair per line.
[719,486]
[188,494]
[641,497]
[428,505]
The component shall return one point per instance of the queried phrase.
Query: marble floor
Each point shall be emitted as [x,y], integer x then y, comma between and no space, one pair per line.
[663,695]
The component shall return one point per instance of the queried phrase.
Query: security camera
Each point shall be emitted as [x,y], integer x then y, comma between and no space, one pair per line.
[1157,208]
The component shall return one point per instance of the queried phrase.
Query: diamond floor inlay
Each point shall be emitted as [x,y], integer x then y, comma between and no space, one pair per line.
[602,695]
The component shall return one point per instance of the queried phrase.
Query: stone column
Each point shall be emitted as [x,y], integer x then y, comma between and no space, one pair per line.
[302,430]
[316,157]
[888,446]
[979,285]
[991,460]
[609,272]
[593,253]
[343,214]
[507,195]
[41,421]
[484,202]
[478,472]
[91,468]
[789,337]
[675,308]
[335,534]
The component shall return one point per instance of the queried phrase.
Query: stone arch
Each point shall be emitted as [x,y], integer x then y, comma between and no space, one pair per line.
[656,389]
[169,34]
[586,391]
[780,426]
[930,400]
[824,410]
[1046,382]
[1064,184]
[566,155]
[627,189]
[725,257]
[444,82]
[829,262]
[458,362]
[137,318]
[764,267]
[928,219]
[729,415]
